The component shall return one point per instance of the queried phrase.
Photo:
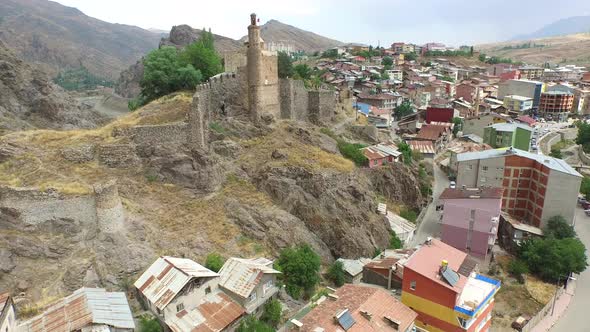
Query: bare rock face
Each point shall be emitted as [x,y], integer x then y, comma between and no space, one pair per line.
[128,83]
[29,99]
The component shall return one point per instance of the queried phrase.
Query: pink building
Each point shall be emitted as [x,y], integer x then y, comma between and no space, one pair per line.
[510,75]
[470,218]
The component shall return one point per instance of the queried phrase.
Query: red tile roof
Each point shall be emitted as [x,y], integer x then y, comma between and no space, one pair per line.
[431,132]
[357,299]
[427,261]
[485,193]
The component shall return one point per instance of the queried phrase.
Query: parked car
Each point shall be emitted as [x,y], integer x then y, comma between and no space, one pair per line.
[453,185]
[585,205]
[582,200]
[587,212]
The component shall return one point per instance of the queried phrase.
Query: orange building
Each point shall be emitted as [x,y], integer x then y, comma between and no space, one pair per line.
[440,285]
[556,105]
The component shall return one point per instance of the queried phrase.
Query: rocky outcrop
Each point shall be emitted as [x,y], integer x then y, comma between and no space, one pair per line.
[29,99]
[128,82]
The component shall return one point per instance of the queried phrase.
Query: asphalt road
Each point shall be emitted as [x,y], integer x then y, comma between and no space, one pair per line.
[430,224]
[574,318]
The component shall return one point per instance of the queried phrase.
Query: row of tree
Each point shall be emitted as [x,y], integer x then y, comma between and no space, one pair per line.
[168,69]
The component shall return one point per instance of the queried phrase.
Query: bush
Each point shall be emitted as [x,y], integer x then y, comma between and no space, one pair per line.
[218,128]
[149,324]
[555,153]
[214,262]
[394,241]
[517,268]
[353,152]
[406,151]
[272,313]
[585,187]
[408,214]
[300,268]
[558,228]
[336,273]
[251,324]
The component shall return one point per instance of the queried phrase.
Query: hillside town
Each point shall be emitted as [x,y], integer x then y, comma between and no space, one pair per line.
[487,233]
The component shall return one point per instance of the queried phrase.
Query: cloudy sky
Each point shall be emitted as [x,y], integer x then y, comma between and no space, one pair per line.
[454,22]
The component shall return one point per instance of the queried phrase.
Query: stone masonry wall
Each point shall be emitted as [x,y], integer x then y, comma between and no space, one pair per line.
[321,106]
[294,99]
[226,97]
[198,118]
[169,134]
[110,214]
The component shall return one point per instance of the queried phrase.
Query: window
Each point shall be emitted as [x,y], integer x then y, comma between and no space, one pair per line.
[469,167]
[472,214]
[413,285]
[179,307]
[252,296]
[208,290]
[484,168]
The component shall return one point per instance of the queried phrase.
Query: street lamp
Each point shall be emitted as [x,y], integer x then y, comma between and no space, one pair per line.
[567,277]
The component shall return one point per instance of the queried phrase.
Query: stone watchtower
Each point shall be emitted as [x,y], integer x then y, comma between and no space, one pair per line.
[263,78]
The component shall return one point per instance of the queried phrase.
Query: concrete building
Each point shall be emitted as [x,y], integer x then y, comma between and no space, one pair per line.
[249,282]
[517,105]
[503,135]
[476,125]
[470,218]
[186,296]
[531,72]
[556,105]
[524,88]
[87,309]
[384,101]
[440,284]
[356,308]
[7,313]
[536,187]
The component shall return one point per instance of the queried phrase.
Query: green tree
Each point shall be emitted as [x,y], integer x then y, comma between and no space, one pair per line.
[458,126]
[149,324]
[559,228]
[272,313]
[300,268]
[214,262]
[482,57]
[331,53]
[585,187]
[302,71]
[402,110]
[336,273]
[583,137]
[202,56]
[384,76]
[353,152]
[410,56]
[285,65]
[517,268]
[447,78]
[406,151]
[555,153]
[394,241]
[387,61]
[251,324]
[164,73]
[552,258]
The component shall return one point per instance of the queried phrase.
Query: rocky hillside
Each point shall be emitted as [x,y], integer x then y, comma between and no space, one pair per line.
[275,31]
[571,49]
[29,99]
[257,190]
[128,83]
[59,37]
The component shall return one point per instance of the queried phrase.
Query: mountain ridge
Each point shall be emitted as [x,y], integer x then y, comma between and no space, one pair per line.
[565,26]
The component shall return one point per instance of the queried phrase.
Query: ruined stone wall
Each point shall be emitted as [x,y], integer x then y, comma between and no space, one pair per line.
[268,89]
[321,106]
[226,96]
[169,134]
[294,99]
[35,207]
[118,155]
[198,118]
[110,214]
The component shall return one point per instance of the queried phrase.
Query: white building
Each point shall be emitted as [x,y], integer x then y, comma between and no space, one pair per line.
[7,313]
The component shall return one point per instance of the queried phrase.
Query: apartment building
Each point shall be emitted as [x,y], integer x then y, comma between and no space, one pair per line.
[504,135]
[517,105]
[524,88]
[556,105]
[536,187]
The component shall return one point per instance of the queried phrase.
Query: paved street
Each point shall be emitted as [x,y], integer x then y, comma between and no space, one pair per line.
[575,316]
[430,225]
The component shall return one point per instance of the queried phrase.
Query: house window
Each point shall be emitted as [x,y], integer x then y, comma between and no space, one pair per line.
[375,162]
[462,322]
[208,290]
[252,296]
[472,213]
[179,307]
[469,167]
[484,168]
[267,286]
[413,285]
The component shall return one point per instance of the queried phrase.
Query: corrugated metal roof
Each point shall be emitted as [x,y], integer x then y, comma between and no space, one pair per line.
[353,266]
[4,297]
[241,276]
[399,224]
[553,163]
[166,277]
[424,147]
[85,307]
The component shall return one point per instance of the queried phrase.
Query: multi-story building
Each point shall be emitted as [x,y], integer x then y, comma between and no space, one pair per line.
[439,283]
[581,101]
[261,285]
[524,88]
[556,105]
[7,313]
[470,218]
[383,100]
[357,308]
[531,72]
[186,296]
[565,73]
[504,135]
[517,105]
[395,74]
[510,75]
[536,187]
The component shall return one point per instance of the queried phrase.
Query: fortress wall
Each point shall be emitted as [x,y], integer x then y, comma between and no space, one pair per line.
[169,134]
[321,106]
[294,99]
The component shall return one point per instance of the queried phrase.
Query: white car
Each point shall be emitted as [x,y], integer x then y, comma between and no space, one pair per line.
[453,185]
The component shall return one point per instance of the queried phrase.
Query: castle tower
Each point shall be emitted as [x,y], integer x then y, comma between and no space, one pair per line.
[263,78]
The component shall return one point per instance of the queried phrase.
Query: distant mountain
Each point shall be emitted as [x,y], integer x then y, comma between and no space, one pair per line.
[566,26]
[57,37]
[275,31]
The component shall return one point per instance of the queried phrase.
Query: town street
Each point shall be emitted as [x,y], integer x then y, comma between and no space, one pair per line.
[430,223]
[574,318]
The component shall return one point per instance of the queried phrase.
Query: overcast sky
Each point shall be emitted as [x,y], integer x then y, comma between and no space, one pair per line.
[454,22]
